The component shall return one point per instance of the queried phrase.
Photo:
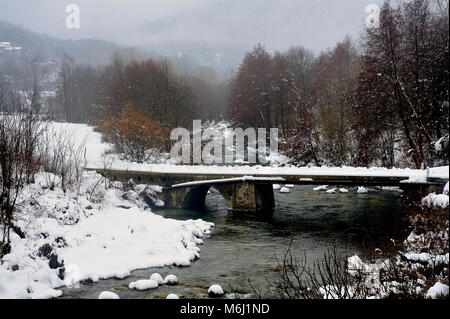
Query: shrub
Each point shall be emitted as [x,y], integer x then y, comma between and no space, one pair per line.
[137,135]
[19,161]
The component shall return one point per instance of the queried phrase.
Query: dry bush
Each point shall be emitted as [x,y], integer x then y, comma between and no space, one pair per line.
[137,135]
[401,274]
[327,277]
[19,161]
[61,156]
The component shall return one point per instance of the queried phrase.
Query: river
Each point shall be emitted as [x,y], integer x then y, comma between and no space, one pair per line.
[245,248]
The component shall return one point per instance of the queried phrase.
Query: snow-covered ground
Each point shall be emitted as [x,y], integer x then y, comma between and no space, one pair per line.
[90,233]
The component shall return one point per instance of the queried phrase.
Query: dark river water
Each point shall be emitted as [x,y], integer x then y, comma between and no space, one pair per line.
[245,248]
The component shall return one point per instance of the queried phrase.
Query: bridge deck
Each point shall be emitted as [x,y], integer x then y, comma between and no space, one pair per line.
[177,176]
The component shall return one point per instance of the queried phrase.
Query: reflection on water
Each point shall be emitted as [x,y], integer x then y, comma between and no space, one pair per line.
[243,247]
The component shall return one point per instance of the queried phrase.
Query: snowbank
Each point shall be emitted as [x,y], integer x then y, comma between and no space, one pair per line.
[117,241]
[91,233]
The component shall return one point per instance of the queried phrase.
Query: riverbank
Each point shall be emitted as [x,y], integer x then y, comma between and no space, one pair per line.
[244,247]
[98,230]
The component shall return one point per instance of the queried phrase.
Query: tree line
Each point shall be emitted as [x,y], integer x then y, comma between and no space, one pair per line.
[384,102]
[380,101]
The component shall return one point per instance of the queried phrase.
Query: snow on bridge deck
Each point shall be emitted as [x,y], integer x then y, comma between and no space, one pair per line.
[312,175]
[231,180]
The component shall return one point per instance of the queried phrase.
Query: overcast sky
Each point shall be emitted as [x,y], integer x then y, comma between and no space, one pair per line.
[278,24]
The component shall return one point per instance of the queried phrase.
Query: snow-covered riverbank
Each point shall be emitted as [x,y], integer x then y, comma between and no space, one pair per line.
[96,229]
[90,233]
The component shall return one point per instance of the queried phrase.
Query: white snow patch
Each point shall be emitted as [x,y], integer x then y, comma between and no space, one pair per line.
[171,280]
[108,295]
[284,190]
[215,290]
[437,289]
[143,284]
[157,277]
[362,190]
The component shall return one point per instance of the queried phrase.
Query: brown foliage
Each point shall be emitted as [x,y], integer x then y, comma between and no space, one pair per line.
[135,134]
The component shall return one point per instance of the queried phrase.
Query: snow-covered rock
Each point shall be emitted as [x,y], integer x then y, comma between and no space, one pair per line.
[320,188]
[343,190]
[157,277]
[215,291]
[284,190]
[108,295]
[289,185]
[362,190]
[143,284]
[172,296]
[439,289]
[171,280]
[331,191]
[89,236]
[276,186]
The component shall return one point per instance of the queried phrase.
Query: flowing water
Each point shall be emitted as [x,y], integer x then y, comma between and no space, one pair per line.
[245,248]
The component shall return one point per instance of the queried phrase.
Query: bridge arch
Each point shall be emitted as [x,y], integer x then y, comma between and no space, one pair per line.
[239,196]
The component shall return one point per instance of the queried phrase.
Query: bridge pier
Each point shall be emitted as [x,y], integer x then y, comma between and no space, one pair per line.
[245,196]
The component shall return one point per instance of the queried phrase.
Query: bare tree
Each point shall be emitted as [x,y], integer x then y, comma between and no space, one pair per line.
[19,159]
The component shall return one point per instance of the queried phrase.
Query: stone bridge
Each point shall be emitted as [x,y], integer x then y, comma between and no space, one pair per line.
[188,189]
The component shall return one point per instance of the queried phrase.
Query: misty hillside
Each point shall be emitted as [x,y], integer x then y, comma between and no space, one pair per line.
[44,47]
